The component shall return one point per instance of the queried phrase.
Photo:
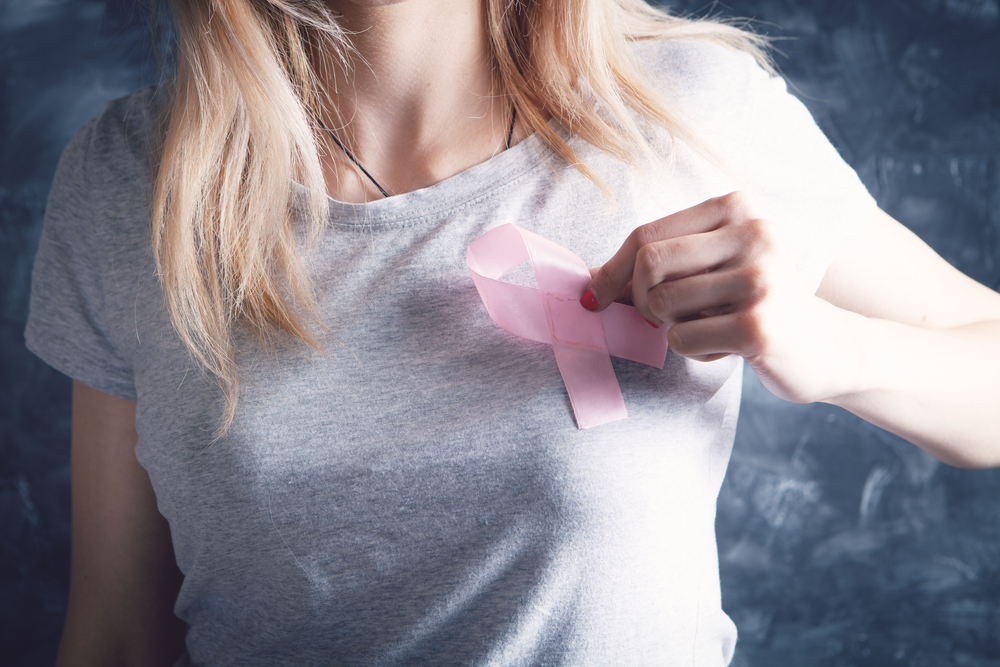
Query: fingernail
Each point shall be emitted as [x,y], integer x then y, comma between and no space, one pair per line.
[652,324]
[589,301]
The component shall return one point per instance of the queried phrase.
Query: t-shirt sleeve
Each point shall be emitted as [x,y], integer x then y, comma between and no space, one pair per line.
[772,146]
[814,195]
[68,324]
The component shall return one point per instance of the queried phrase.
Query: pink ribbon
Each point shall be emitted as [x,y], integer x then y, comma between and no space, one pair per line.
[582,341]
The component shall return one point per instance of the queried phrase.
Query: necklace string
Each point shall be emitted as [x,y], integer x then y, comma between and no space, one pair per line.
[350,156]
[355,161]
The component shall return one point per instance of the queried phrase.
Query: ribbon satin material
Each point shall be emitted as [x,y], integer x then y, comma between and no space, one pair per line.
[551,313]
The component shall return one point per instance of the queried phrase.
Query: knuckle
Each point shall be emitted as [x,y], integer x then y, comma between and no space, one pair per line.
[646,260]
[754,284]
[762,234]
[750,324]
[732,204]
[644,235]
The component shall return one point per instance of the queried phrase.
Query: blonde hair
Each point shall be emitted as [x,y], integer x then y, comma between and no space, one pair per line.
[239,130]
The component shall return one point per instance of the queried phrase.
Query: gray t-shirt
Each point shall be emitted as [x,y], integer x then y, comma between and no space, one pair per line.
[420,493]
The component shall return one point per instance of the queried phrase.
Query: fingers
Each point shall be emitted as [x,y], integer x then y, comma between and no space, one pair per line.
[625,296]
[659,266]
[713,337]
[704,271]
[712,294]
[610,280]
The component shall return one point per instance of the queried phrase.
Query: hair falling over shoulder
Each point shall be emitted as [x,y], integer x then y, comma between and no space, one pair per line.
[239,130]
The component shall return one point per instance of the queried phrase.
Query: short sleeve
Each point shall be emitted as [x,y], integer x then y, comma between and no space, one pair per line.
[771,144]
[68,322]
[807,186]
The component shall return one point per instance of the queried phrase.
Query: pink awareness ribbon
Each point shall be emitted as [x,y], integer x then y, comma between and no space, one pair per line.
[582,341]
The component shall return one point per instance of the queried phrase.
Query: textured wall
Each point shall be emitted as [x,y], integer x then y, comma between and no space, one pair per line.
[839,544]
[60,61]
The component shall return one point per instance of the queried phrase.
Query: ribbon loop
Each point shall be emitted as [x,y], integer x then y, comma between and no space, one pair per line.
[582,341]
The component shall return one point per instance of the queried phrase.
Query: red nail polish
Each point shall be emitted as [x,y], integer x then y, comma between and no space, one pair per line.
[589,301]
[655,326]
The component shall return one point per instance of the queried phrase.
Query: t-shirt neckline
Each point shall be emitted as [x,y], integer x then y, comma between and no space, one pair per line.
[443,198]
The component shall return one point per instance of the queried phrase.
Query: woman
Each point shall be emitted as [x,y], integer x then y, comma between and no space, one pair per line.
[412,489]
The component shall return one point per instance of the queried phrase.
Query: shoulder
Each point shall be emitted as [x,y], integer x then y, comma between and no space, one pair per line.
[94,247]
[101,187]
[693,67]
[118,141]
[96,223]
[768,141]
[715,91]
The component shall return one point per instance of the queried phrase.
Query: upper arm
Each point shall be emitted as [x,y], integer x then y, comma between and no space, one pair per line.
[124,579]
[889,273]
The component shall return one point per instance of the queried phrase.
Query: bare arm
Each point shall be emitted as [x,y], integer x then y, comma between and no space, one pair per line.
[124,579]
[926,344]
[894,334]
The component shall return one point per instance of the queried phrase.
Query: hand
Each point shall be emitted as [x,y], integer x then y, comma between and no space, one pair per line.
[716,274]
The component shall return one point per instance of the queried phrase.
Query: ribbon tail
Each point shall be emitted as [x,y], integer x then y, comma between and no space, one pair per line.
[591,384]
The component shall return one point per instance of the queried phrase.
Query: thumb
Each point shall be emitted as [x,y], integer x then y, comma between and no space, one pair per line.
[610,281]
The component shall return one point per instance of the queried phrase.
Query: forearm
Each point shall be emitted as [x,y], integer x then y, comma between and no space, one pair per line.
[938,388]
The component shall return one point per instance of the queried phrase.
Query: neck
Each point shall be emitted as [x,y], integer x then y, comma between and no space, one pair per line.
[418,100]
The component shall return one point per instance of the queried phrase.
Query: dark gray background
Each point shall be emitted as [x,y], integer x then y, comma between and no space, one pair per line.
[839,544]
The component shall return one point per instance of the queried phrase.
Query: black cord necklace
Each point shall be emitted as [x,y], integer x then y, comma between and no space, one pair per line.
[510,136]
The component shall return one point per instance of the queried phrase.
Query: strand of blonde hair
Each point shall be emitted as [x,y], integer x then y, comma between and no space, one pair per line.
[239,131]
